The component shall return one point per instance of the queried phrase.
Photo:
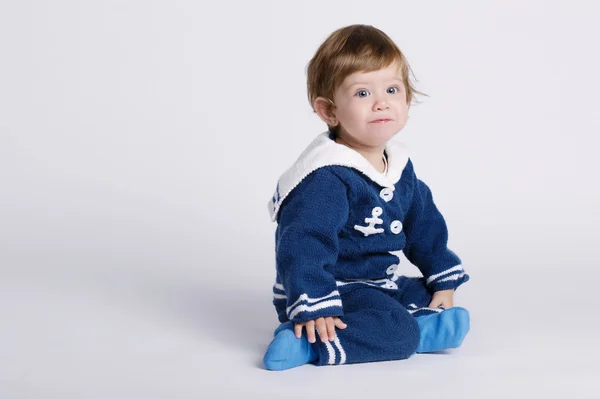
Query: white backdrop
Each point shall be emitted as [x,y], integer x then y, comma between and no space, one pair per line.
[141,140]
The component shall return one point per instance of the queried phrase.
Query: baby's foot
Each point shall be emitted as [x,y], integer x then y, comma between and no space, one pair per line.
[444,330]
[287,351]
[288,325]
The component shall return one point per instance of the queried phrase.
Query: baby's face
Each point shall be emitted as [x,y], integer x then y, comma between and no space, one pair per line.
[371,107]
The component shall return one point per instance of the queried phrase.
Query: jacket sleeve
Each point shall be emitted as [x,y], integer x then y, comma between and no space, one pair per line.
[307,246]
[427,239]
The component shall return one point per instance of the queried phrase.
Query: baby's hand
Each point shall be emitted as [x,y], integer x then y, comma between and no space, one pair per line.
[324,325]
[443,298]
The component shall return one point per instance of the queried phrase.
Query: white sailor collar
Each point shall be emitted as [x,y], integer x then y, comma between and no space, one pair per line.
[324,151]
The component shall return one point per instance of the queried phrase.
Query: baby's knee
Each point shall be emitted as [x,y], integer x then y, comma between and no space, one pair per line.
[407,333]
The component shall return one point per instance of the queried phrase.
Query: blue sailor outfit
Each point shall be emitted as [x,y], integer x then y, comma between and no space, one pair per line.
[341,225]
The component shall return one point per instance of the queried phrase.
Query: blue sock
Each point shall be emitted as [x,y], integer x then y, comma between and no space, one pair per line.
[443,330]
[288,325]
[286,351]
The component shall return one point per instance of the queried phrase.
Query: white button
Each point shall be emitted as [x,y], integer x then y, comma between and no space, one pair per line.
[390,285]
[391,269]
[396,227]
[387,194]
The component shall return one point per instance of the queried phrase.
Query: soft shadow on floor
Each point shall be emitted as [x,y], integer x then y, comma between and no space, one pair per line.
[228,315]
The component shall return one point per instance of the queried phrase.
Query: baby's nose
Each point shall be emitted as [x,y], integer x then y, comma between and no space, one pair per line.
[381,105]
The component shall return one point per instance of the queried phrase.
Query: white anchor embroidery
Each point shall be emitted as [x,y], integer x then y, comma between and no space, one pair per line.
[372,221]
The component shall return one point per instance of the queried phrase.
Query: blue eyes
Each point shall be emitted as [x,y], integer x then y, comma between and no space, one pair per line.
[365,93]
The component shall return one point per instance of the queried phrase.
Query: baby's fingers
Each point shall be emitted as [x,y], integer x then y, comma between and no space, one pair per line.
[310,331]
[435,303]
[321,325]
[330,328]
[339,323]
[298,329]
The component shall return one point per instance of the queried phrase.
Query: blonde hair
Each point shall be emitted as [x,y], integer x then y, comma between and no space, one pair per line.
[354,48]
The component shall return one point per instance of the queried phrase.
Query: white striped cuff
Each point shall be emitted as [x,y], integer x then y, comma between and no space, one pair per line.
[450,274]
[279,291]
[304,303]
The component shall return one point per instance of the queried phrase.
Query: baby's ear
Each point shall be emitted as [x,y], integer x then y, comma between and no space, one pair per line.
[325,109]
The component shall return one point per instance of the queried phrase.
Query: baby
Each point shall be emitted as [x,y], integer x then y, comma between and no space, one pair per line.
[345,210]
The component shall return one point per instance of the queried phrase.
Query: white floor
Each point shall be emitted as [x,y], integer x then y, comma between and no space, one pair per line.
[172,334]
